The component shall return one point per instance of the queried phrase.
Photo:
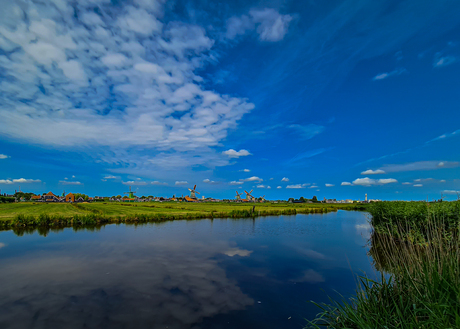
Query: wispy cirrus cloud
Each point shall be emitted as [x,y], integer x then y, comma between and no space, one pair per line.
[307,131]
[235,183]
[420,165]
[441,61]
[386,75]
[181,182]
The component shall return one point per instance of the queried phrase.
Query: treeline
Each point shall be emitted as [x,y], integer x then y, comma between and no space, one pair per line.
[6,199]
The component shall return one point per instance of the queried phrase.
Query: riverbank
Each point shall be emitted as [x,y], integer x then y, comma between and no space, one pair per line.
[83,214]
[416,248]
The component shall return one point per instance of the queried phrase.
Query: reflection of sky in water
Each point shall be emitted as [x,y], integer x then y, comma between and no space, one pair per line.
[184,274]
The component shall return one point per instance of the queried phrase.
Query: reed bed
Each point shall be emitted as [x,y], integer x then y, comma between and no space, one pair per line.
[419,281]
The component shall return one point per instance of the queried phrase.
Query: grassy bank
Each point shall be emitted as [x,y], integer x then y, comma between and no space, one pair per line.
[84,214]
[416,247]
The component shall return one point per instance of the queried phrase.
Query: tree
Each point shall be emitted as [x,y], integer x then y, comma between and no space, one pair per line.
[314,199]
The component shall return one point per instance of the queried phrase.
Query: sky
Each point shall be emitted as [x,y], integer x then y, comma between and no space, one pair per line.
[287,98]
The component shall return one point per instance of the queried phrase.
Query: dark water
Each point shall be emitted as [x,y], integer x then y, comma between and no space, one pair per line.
[220,273]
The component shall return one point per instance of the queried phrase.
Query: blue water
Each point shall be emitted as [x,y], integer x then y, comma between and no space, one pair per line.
[221,273]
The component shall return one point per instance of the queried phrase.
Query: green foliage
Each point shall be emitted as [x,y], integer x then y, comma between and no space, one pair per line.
[419,284]
[6,199]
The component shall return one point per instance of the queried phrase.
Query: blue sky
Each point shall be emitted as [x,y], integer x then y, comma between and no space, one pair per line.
[289,98]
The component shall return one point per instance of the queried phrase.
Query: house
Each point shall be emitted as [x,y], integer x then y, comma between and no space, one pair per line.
[50,197]
[70,197]
[36,198]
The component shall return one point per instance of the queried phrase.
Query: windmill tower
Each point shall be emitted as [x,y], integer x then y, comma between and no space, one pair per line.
[365,198]
[238,196]
[262,199]
[130,193]
[193,192]
[249,197]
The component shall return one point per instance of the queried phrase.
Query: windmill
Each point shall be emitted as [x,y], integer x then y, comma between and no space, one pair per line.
[249,197]
[192,192]
[238,196]
[130,193]
[262,199]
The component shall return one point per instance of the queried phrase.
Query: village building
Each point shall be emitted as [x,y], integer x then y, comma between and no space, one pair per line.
[70,197]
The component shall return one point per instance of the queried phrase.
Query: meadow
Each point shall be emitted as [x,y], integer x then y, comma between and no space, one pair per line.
[29,214]
[415,246]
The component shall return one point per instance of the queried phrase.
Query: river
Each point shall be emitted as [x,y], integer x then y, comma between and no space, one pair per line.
[221,273]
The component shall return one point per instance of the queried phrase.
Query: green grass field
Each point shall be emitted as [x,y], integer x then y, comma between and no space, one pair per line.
[55,214]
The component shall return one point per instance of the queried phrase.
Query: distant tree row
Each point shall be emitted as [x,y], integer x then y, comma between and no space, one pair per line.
[304,200]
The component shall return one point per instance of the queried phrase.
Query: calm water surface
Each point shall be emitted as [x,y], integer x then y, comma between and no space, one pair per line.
[221,273]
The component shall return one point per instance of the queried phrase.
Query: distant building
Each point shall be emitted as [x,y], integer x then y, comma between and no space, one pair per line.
[70,197]
[50,197]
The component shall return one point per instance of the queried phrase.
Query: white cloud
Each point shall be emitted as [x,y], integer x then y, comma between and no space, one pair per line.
[346,184]
[236,154]
[111,177]
[373,172]
[329,185]
[385,75]
[181,183]
[246,170]
[252,179]
[261,186]
[366,181]
[444,61]
[269,23]
[208,181]
[158,183]
[19,181]
[295,186]
[272,25]
[313,186]
[387,181]
[442,181]
[418,185]
[235,183]
[237,252]
[285,179]
[406,183]
[3,156]
[63,69]
[66,182]
[279,187]
[2,245]
[450,192]
[420,165]
[135,183]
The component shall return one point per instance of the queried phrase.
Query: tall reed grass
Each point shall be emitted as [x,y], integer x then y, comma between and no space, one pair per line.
[419,281]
